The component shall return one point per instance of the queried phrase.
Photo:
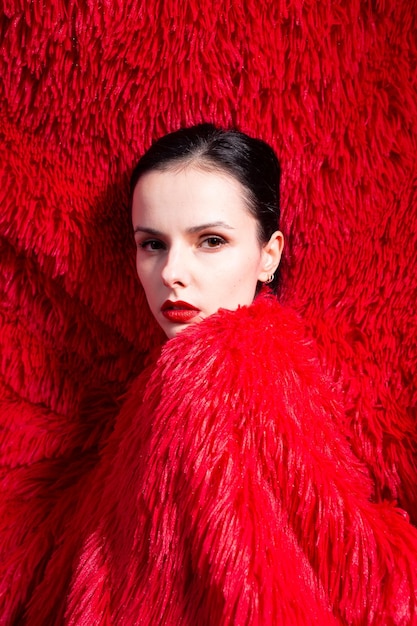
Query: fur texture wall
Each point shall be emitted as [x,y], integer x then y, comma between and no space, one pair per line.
[85,86]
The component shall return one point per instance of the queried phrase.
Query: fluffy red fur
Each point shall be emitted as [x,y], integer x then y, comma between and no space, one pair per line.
[229,495]
[84,88]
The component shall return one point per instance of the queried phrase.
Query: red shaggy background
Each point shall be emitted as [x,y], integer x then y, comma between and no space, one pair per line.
[85,86]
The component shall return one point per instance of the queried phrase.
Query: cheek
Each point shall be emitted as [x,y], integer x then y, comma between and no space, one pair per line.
[144,270]
[147,282]
[239,287]
[246,270]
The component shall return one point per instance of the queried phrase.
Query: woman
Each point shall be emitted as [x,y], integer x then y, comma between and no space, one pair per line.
[205,225]
[227,493]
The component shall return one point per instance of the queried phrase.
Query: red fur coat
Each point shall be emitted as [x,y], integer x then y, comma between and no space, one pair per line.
[228,495]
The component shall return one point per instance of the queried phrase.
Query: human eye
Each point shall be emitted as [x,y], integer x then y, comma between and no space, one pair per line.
[213,242]
[151,245]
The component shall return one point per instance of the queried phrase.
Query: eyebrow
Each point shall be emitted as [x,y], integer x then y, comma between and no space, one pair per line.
[192,230]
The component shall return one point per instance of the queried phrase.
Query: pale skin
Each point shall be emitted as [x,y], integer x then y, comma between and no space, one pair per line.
[197,245]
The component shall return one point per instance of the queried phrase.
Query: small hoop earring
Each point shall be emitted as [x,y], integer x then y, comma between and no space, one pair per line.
[269,279]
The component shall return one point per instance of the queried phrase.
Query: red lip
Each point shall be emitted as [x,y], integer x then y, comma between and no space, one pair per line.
[179,311]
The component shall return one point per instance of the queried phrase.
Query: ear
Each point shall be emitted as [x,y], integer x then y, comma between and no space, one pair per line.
[271,256]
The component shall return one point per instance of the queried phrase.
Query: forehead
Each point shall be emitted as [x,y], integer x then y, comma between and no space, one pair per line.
[190,192]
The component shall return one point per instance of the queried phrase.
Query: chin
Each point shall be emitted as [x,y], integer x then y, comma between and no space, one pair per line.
[174,330]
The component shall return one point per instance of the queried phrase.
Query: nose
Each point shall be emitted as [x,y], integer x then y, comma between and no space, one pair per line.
[176,270]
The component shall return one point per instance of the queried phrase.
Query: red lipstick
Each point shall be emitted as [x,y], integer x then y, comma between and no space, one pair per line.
[179,312]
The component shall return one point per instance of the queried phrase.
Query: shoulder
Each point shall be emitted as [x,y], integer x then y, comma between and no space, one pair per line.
[263,329]
[253,370]
[261,345]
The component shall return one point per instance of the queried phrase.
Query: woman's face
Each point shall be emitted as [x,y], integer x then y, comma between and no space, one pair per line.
[197,245]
